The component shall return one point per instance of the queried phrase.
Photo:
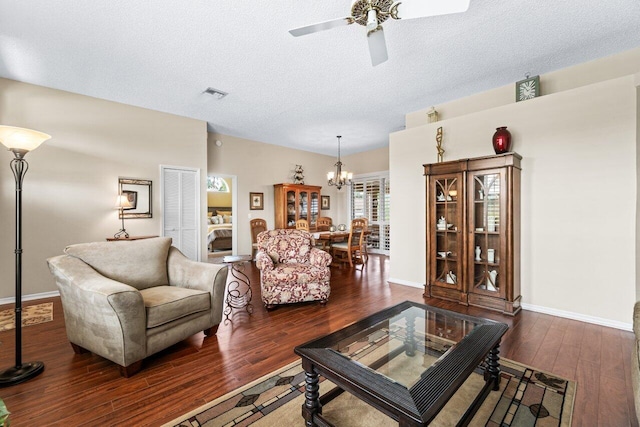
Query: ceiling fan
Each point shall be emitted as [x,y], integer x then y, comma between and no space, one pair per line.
[372,13]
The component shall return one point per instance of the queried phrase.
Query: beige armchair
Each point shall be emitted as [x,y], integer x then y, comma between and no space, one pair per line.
[127,300]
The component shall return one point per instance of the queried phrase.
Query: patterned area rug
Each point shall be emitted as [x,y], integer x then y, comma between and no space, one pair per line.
[31,315]
[527,397]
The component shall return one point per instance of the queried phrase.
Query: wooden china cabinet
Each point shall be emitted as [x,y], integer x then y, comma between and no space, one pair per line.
[473,231]
[295,201]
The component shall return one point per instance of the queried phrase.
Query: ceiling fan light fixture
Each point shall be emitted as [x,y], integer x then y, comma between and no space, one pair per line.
[372,19]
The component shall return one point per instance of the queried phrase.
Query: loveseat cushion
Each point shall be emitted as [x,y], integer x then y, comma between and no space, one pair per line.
[138,263]
[165,304]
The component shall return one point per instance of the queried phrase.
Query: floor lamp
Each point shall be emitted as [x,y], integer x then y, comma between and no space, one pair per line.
[20,141]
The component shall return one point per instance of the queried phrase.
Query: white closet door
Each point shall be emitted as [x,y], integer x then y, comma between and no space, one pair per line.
[181,205]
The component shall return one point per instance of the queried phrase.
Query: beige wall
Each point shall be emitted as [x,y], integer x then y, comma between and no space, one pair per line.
[72,183]
[578,189]
[258,166]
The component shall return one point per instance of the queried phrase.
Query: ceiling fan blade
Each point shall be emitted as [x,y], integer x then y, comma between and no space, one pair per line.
[377,46]
[410,9]
[321,26]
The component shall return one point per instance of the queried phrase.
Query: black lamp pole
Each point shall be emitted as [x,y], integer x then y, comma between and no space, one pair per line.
[21,371]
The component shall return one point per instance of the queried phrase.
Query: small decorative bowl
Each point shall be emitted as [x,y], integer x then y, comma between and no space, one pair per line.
[342,227]
[332,228]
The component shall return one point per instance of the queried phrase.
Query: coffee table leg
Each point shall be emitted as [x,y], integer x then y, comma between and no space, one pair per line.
[492,373]
[311,393]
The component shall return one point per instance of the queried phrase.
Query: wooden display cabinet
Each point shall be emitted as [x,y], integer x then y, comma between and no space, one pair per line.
[295,201]
[473,231]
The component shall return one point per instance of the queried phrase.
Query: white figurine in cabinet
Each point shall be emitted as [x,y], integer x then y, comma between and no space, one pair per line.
[478,253]
[442,224]
[451,278]
[491,281]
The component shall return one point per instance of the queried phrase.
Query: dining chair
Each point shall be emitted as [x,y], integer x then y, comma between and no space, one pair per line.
[302,224]
[324,223]
[354,250]
[258,225]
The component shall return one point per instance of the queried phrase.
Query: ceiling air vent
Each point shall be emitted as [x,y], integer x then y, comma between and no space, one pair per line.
[216,93]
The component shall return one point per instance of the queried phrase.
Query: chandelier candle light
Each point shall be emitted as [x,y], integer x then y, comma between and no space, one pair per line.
[20,141]
[339,177]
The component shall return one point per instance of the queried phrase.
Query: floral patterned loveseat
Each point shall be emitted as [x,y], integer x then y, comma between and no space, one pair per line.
[291,268]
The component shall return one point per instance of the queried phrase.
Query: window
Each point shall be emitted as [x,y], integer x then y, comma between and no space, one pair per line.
[217,184]
[371,199]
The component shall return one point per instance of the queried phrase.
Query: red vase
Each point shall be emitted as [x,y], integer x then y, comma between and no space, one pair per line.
[502,140]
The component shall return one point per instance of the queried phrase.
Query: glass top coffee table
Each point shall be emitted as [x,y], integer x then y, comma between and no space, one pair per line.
[406,361]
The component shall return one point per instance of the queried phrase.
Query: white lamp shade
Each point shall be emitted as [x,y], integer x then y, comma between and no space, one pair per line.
[21,139]
[330,175]
[122,202]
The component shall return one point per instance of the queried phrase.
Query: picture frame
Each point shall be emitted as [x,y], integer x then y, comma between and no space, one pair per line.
[132,197]
[325,203]
[256,201]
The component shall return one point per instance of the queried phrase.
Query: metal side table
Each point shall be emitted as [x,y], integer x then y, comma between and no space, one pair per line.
[239,288]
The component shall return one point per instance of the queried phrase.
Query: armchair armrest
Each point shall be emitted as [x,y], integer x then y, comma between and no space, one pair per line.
[264,261]
[319,257]
[203,276]
[101,315]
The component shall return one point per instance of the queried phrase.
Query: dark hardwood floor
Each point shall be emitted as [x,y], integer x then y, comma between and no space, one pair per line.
[86,390]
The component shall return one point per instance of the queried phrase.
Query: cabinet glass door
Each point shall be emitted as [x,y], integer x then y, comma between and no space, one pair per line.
[314,206]
[486,199]
[291,208]
[448,232]
[303,205]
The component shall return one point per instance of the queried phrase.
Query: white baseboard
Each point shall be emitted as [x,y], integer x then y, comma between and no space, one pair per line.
[546,310]
[577,316]
[31,297]
[406,283]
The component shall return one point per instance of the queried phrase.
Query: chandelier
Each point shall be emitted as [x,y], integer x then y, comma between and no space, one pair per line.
[339,177]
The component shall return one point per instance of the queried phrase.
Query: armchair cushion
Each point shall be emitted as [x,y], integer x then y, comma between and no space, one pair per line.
[142,265]
[294,248]
[165,304]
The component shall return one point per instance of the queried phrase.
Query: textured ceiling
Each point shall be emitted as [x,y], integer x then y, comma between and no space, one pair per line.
[298,92]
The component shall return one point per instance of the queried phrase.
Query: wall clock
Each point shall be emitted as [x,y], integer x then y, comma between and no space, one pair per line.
[528,88]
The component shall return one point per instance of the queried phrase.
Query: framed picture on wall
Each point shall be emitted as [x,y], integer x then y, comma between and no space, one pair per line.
[325,203]
[256,201]
[132,197]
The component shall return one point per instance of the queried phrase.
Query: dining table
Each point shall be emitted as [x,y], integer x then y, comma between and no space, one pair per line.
[325,238]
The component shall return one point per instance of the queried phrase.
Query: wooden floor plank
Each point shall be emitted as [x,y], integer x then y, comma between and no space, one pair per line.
[87,390]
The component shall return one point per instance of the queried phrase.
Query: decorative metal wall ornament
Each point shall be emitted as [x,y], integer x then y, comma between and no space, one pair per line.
[432,115]
[298,175]
[439,145]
